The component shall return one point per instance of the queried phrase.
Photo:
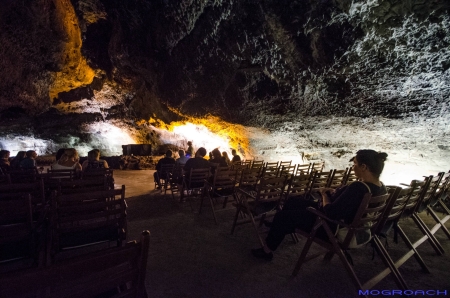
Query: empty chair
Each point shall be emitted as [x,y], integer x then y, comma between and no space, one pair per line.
[17,190]
[436,205]
[270,170]
[98,174]
[265,199]
[86,219]
[303,168]
[221,188]
[257,164]
[114,272]
[80,186]
[317,166]
[298,185]
[19,236]
[287,171]
[24,175]
[338,178]
[286,163]
[248,179]
[175,180]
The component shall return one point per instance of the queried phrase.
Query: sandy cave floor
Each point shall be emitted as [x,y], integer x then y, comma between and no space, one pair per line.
[190,256]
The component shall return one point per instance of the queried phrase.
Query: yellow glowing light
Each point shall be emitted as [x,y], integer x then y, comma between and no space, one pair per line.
[209,132]
[75,71]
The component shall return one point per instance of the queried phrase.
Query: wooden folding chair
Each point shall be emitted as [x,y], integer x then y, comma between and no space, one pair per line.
[413,195]
[96,174]
[247,162]
[370,211]
[351,176]
[270,170]
[20,236]
[259,203]
[286,163]
[24,175]
[257,164]
[86,219]
[424,205]
[114,272]
[317,166]
[287,171]
[337,178]
[222,187]
[69,174]
[298,185]
[248,179]
[303,168]
[194,183]
[83,186]
[319,180]
[437,204]
[34,189]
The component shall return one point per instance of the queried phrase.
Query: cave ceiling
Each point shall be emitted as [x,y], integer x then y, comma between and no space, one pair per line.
[68,62]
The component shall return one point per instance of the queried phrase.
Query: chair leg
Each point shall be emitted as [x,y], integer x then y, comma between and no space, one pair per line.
[412,250]
[431,239]
[301,259]
[238,210]
[390,268]
[440,223]
[212,209]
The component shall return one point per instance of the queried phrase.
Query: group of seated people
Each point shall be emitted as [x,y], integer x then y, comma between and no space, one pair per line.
[23,160]
[66,159]
[196,162]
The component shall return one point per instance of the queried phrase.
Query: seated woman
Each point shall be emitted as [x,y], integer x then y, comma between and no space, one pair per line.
[339,205]
[227,159]
[94,161]
[68,161]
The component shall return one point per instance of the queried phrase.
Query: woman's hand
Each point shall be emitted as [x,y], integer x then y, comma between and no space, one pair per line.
[325,192]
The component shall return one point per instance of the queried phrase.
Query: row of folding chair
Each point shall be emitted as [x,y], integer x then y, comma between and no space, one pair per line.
[114,272]
[72,218]
[402,204]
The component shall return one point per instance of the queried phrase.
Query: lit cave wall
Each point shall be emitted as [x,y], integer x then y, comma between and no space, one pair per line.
[276,79]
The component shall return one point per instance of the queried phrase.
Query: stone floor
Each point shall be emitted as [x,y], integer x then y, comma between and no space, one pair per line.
[191,256]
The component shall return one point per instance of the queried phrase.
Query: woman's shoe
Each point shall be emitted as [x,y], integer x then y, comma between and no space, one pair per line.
[261,254]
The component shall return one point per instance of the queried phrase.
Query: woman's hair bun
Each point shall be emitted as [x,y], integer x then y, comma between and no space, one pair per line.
[382,155]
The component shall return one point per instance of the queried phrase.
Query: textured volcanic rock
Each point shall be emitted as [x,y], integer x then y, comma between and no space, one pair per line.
[76,64]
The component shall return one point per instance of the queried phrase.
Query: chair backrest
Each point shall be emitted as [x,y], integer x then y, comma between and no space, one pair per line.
[75,219]
[337,178]
[69,174]
[431,191]
[394,208]
[224,180]
[303,168]
[442,189]
[319,180]
[165,170]
[16,230]
[287,171]
[86,185]
[270,171]
[197,178]
[272,164]
[257,164]
[247,162]
[249,178]
[351,176]
[270,189]
[298,185]
[96,173]
[317,166]
[98,274]
[24,175]
[370,212]
[35,189]
[286,163]
[419,188]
